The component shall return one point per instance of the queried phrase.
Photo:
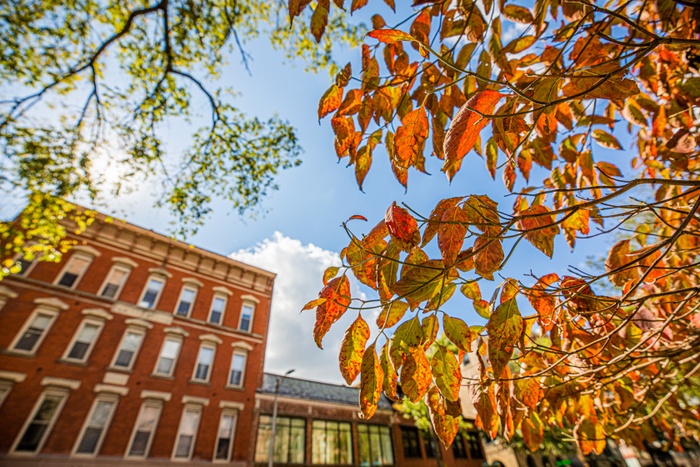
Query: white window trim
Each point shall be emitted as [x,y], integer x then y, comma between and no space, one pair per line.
[100,326]
[63,394]
[53,312]
[32,264]
[244,353]
[156,403]
[7,386]
[157,276]
[118,266]
[224,297]
[186,286]
[253,305]
[78,254]
[135,330]
[104,397]
[172,337]
[203,345]
[234,414]
[199,409]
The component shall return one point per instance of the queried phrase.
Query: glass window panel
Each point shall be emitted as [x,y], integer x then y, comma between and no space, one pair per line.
[225,436]
[82,343]
[387,446]
[145,426]
[246,317]
[217,310]
[130,344]
[331,442]
[114,282]
[185,303]
[37,429]
[96,426]
[152,291]
[290,436]
[237,368]
[167,356]
[409,437]
[33,333]
[204,360]
[188,428]
[75,267]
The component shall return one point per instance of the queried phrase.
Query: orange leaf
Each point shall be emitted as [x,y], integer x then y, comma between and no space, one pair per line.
[488,256]
[592,437]
[544,303]
[357,4]
[330,101]
[370,382]
[352,349]
[351,104]
[410,137]
[319,21]
[444,416]
[337,295]
[448,376]
[533,432]
[415,374]
[390,36]
[471,290]
[358,217]
[313,304]
[539,227]
[390,376]
[484,401]
[436,216]
[391,314]
[466,126]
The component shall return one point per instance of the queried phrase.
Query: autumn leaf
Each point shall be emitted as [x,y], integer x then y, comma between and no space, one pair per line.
[458,332]
[421,282]
[402,225]
[504,329]
[319,21]
[543,301]
[371,380]
[620,265]
[434,221]
[451,232]
[330,101]
[539,227]
[488,256]
[410,137]
[313,304]
[447,373]
[533,431]
[605,139]
[352,349]
[471,290]
[391,378]
[391,314]
[415,374]
[466,126]
[337,295]
[484,400]
[390,36]
[518,14]
[444,416]
[408,335]
[592,437]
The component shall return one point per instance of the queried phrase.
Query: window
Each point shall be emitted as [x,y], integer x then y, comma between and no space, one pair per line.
[458,449]
[237,368]
[218,305]
[204,362]
[187,432]
[128,348]
[114,282]
[168,356]
[290,440]
[247,317]
[224,439]
[34,332]
[332,442]
[35,432]
[83,341]
[474,442]
[409,437]
[184,304]
[145,427]
[430,446]
[152,292]
[375,445]
[96,425]
[74,270]
[5,388]
[22,266]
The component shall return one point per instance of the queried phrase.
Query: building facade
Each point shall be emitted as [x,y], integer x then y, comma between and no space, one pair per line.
[319,424]
[135,347]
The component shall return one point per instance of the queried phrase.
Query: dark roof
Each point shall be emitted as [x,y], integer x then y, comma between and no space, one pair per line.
[316,391]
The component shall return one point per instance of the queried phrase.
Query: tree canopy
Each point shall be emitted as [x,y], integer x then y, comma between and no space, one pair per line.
[90,88]
[587,112]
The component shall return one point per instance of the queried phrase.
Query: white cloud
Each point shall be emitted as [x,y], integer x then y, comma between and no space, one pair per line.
[299,271]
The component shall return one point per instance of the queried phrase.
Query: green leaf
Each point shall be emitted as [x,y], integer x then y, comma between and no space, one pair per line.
[352,349]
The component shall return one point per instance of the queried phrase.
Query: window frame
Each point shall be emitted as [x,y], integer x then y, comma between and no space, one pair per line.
[192,408]
[104,397]
[115,267]
[416,435]
[53,315]
[204,345]
[100,326]
[240,352]
[148,403]
[136,330]
[173,338]
[326,461]
[78,254]
[267,424]
[225,413]
[382,431]
[153,277]
[253,306]
[5,388]
[187,286]
[223,297]
[51,392]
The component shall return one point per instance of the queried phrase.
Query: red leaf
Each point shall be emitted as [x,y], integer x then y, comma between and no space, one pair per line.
[358,217]
[544,303]
[337,295]
[415,374]
[451,233]
[402,225]
[410,138]
[466,126]
[539,227]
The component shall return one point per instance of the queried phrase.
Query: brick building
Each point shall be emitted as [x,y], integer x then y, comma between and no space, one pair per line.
[135,347]
[318,423]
